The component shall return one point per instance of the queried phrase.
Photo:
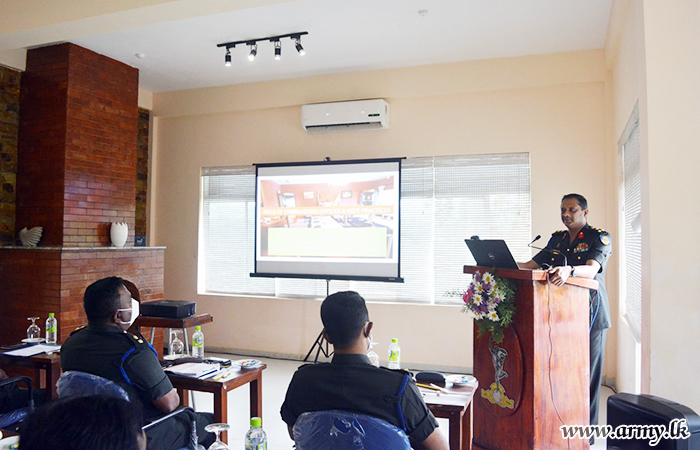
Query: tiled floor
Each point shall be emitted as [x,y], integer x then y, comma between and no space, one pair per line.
[276,378]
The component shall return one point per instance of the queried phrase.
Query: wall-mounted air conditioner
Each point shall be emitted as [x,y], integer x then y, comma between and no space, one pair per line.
[345,116]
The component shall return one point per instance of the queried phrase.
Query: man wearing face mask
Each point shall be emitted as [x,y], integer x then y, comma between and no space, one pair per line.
[104,348]
[350,382]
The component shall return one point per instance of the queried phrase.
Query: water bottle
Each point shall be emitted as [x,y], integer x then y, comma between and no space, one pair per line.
[198,343]
[51,329]
[255,438]
[372,355]
[394,354]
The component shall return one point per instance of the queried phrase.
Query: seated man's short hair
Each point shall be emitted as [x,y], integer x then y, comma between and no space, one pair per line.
[343,315]
[101,299]
[84,423]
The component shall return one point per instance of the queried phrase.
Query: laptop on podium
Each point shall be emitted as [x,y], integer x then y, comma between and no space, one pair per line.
[491,253]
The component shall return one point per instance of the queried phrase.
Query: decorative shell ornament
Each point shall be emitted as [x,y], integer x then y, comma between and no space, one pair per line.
[31,237]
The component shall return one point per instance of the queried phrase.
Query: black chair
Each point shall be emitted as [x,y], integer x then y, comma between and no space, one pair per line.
[626,409]
[12,419]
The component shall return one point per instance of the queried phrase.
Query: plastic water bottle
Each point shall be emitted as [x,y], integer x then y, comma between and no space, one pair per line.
[51,329]
[255,438]
[198,343]
[372,355]
[394,354]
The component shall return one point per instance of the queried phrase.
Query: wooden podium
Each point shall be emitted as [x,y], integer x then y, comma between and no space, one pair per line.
[537,379]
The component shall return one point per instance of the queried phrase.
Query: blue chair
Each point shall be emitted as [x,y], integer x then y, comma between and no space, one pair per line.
[81,384]
[345,430]
[74,383]
[11,419]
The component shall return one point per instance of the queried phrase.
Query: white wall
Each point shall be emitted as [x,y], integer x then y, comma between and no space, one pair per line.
[550,106]
[625,57]
[653,51]
[672,53]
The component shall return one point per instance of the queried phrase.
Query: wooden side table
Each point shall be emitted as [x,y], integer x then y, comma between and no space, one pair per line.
[220,389]
[454,405]
[51,364]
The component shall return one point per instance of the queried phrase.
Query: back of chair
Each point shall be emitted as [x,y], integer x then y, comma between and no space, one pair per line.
[78,384]
[11,418]
[344,430]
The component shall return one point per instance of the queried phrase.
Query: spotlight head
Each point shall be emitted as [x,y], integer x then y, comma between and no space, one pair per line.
[278,49]
[297,44]
[253,51]
[227,58]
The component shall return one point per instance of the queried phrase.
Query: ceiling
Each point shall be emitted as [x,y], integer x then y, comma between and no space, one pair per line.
[349,36]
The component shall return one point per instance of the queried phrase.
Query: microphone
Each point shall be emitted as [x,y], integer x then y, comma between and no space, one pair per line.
[552,251]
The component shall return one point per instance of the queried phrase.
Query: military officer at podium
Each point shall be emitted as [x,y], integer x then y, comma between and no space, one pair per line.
[581,251]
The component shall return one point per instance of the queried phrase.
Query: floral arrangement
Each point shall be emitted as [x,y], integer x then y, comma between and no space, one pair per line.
[490,301]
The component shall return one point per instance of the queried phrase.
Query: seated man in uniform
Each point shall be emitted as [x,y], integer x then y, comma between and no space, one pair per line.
[104,348]
[350,382]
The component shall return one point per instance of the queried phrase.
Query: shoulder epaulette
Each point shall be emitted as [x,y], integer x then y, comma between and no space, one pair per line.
[136,339]
[80,328]
[559,232]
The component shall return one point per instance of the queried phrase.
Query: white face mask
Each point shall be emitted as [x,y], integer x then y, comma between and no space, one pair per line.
[134,313]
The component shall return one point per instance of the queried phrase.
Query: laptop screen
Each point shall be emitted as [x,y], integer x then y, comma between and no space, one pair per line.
[491,253]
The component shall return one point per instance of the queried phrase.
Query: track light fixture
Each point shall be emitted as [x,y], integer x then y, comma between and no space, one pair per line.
[297,44]
[253,51]
[278,49]
[253,44]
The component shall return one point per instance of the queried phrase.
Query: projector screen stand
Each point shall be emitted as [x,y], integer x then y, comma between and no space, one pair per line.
[321,339]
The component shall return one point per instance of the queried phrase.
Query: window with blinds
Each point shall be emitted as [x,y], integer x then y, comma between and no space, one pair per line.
[632,246]
[444,200]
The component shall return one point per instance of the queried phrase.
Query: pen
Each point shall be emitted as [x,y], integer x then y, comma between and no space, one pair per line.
[434,388]
[223,375]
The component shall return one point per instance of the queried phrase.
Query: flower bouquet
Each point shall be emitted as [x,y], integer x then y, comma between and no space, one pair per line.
[490,301]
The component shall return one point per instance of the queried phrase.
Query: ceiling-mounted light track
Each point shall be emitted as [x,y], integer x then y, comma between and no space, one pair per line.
[253,45]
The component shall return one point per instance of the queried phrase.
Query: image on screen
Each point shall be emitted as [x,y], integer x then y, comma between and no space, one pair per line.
[328,219]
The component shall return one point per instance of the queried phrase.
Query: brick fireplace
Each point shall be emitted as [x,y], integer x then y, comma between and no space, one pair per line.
[76,173]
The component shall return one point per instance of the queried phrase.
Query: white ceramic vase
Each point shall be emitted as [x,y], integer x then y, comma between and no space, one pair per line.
[118,233]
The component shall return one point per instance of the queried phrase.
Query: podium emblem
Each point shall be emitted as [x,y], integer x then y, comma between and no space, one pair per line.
[496,394]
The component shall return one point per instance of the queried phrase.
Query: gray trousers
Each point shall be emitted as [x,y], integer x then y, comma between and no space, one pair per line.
[597,353]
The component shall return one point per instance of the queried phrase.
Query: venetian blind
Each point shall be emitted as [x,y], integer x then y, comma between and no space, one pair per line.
[632,182]
[228,233]
[443,201]
[484,195]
